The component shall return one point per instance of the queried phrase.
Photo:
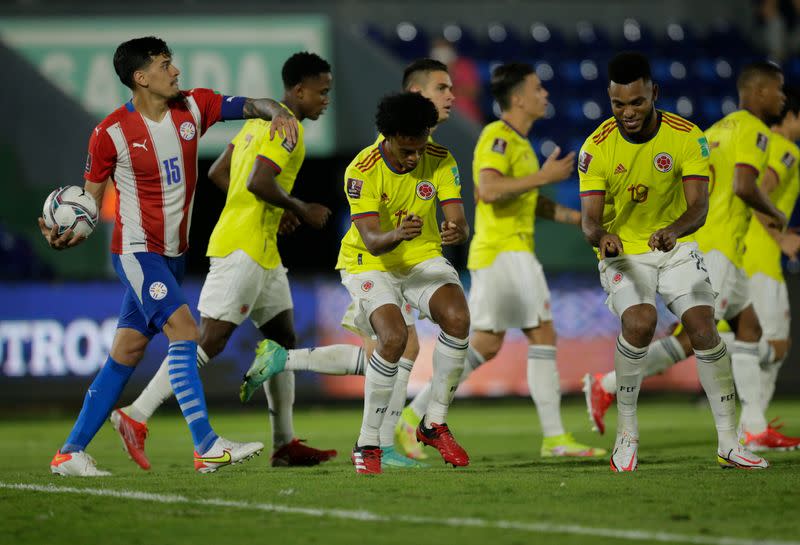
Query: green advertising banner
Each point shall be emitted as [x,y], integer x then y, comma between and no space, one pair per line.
[233,55]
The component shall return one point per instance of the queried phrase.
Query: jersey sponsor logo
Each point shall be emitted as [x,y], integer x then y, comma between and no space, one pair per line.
[663,162]
[499,146]
[187,130]
[367,285]
[288,146]
[705,151]
[788,160]
[425,190]
[354,188]
[88,167]
[584,160]
[620,169]
[761,141]
[158,291]
[142,145]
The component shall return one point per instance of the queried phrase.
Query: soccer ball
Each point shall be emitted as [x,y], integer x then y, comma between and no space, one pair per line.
[70,208]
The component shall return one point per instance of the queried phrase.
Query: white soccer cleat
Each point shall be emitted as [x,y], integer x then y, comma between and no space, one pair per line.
[626,453]
[740,458]
[76,464]
[224,453]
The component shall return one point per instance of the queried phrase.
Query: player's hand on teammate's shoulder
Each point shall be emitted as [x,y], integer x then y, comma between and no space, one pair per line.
[285,124]
[316,215]
[288,223]
[56,242]
[556,169]
[410,227]
[663,239]
[452,233]
[610,245]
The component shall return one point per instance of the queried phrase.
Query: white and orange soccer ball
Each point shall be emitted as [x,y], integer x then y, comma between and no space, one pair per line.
[70,207]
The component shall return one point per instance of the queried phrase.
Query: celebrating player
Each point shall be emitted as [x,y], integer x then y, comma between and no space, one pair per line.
[508,286]
[148,149]
[654,166]
[246,278]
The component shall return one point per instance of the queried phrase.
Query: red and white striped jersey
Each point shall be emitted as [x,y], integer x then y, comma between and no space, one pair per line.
[154,169]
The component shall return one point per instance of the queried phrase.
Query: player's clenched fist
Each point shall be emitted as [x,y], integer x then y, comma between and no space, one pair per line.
[410,227]
[452,233]
[610,246]
[663,239]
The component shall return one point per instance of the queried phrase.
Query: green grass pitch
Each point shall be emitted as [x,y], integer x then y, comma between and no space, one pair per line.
[508,494]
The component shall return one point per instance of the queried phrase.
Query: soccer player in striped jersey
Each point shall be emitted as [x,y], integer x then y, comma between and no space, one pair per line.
[148,149]
[655,167]
[761,246]
[246,278]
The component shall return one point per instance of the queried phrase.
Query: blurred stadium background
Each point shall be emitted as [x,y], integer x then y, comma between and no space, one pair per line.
[58,310]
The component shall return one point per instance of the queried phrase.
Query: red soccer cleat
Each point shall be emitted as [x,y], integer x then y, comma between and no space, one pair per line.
[367,460]
[597,401]
[439,437]
[295,453]
[133,433]
[770,439]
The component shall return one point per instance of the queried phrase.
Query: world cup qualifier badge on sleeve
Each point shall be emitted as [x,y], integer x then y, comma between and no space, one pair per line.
[354,188]
[584,160]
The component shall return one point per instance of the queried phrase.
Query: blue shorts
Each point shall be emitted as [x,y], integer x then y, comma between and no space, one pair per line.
[153,291]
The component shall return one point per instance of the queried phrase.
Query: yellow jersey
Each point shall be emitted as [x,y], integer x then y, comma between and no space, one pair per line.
[738,139]
[374,188]
[502,226]
[762,253]
[248,223]
[642,182]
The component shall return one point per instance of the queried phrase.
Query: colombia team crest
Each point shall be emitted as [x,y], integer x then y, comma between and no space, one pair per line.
[663,162]
[425,190]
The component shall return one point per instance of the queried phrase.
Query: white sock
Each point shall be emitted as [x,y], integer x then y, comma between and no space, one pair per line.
[157,391]
[716,376]
[420,402]
[746,374]
[448,367]
[378,387]
[609,382]
[769,376]
[662,354]
[766,353]
[628,363]
[280,396]
[396,402]
[543,381]
[337,359]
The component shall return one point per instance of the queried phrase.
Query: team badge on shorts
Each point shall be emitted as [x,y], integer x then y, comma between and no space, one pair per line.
[367,285]
[617,278]
[663,162]
[158,291]
[244,309]
[425,190]
[187,130]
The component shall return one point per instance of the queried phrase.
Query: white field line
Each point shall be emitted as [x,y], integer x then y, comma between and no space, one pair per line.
[368,516]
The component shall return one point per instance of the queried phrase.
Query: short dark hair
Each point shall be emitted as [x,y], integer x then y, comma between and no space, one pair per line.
[405,114]
[303,65]
[629,66]
[506,78]
[756,70]
[136,54]
[421,67]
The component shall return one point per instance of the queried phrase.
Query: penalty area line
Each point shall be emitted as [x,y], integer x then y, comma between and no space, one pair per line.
[368,516]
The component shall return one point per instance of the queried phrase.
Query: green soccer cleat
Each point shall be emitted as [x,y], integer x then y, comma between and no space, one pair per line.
[566,445]
[405,435]
[270,360]
[393,459]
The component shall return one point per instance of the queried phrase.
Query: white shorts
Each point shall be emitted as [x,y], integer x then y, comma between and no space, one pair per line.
[511,293]
[237,287]
[679,276]
[372,289]
[771,303]
[349,318]
[731,284]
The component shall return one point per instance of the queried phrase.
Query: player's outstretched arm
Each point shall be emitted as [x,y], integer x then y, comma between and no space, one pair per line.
[696,193]
[66,240]
[746,188]
[495,187]
[283,123]
[455,229]
[609,244]
[220,171]
[549,209]
[378,241]
[262,184]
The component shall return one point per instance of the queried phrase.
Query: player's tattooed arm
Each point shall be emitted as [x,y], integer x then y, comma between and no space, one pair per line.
[220,171]
[283,122]
[609,244]
[692,219]
[746,188]
[549,209]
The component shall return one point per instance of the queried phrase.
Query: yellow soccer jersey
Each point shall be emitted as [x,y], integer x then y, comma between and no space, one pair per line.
[373,188]
[248,223]
[739,138]
[642,182]
[504,226]
[762,254]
